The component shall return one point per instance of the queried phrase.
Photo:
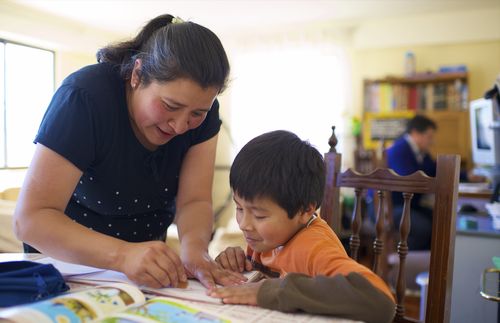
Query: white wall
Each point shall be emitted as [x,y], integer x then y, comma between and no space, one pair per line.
[436,28]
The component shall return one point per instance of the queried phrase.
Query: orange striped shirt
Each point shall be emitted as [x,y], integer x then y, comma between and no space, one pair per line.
[315,250]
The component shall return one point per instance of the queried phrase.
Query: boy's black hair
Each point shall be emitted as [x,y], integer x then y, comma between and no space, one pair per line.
[280,166]
[420,124]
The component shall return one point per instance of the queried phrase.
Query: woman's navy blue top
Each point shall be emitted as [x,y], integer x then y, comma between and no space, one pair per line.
[126,191]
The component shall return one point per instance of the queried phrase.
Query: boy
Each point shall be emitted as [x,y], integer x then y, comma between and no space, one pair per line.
[278,182]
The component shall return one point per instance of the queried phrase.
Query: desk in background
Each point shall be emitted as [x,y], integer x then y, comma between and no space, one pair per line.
[474,194]
[476,243]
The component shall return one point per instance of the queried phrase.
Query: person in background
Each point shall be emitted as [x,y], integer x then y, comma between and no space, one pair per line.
[126,146]
[408,154]
[278,182]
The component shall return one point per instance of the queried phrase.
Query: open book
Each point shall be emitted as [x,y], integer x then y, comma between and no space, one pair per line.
[110,303]
[193,291]
[123,303]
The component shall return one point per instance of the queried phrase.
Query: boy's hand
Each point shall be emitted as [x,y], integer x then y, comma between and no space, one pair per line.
[200,265]
[233,258]
[241,294]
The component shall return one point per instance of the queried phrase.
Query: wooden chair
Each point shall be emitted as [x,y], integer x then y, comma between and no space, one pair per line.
[445,188]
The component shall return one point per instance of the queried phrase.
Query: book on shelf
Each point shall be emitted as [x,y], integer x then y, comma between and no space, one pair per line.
[440,96]
[432,92]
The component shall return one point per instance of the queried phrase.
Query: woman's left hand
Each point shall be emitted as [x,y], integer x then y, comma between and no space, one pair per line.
[202,267]
[244,294]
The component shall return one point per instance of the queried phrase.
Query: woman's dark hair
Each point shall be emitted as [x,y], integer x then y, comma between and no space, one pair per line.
[279,166]
[169,51]
[420,124]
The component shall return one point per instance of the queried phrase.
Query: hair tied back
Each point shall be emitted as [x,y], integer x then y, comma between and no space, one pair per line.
[177,20]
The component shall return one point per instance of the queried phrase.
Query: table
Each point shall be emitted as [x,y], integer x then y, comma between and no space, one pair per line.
[475,243]
[240,312]
[476,198]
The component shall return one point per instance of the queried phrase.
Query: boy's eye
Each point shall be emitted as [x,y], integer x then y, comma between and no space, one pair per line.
[239,209]
[197,114]
[260,217]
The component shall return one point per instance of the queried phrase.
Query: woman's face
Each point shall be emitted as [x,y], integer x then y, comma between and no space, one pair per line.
[161,111]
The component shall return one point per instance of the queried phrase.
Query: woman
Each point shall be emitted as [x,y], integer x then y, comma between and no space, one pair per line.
[127,146]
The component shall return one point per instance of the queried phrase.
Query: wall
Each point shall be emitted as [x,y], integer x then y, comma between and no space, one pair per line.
[373,47]
[482,59]
[445,38]
[75,46]
[29,27]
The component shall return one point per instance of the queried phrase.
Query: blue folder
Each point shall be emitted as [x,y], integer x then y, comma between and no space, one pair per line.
[24,282]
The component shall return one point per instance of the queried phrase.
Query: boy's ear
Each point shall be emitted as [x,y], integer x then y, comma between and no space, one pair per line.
[305,215]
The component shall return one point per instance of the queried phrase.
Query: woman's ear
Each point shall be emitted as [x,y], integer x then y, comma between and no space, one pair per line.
[135,78]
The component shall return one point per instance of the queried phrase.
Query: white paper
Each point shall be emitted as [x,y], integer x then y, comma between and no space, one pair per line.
[68,269]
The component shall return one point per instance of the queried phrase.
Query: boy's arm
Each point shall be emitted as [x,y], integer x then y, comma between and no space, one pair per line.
[351,296]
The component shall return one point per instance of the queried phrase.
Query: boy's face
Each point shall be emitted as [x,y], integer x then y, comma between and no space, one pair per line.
[265,224]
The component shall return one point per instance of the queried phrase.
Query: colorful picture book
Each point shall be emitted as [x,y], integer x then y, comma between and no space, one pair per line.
[124,303]
[99,295]
[110,303]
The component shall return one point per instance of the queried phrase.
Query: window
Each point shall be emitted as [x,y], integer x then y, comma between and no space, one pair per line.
[298,88]
[26,86]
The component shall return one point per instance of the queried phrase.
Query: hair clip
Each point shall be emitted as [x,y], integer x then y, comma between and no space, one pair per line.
[177,20]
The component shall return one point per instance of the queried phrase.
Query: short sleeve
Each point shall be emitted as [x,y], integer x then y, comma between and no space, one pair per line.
[67,127]
[209,128]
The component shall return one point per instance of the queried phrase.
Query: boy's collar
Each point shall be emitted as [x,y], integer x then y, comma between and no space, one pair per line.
[311,220]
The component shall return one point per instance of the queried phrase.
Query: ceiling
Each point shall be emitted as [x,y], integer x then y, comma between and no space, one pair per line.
[226,16]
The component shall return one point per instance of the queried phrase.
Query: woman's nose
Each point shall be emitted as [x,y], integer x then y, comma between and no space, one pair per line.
[180,124]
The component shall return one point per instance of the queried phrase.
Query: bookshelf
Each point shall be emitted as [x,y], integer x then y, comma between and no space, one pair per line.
[420,93]
[443,97]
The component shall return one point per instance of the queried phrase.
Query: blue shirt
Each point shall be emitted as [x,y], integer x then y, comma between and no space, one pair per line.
[402,159]
[126,190]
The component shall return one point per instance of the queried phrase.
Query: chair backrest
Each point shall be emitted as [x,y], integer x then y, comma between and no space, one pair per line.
[445,189]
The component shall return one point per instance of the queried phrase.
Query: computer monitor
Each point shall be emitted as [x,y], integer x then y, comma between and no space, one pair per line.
[485,134]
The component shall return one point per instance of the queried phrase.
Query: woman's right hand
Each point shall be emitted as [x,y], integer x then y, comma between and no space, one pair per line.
[233,258]
[151,263]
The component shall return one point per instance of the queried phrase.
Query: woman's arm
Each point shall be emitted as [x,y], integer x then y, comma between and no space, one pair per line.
[39,220]
[194,216]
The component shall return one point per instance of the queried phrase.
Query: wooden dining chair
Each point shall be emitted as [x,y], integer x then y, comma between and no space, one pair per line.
[445,189]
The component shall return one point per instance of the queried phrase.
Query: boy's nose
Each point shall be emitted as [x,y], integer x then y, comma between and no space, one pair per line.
[244,223]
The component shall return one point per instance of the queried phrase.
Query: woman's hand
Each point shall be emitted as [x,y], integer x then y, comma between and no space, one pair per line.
[243,294]
[233,258]
[151,263]
[202,267]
